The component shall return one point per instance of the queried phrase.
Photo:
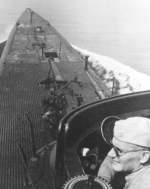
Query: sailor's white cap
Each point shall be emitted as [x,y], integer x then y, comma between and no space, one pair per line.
[135,130]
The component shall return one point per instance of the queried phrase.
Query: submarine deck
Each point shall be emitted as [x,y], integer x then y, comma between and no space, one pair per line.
[23,66]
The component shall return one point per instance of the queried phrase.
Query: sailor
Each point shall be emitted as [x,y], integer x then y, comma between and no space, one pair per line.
[86,63]
[79,99]
[130,153]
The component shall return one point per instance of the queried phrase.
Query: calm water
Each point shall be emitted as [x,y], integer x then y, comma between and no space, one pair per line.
[131,49]
[106,34]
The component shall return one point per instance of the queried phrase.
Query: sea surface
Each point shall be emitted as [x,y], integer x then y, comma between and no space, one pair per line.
[130,49]
[104,35]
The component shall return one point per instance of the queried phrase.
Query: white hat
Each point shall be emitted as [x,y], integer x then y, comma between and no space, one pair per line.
[135,130]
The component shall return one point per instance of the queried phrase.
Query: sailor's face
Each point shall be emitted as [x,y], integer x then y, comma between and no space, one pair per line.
[126,157]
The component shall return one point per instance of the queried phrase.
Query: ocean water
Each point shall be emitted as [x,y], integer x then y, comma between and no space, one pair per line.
[130,49]
[125,39]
